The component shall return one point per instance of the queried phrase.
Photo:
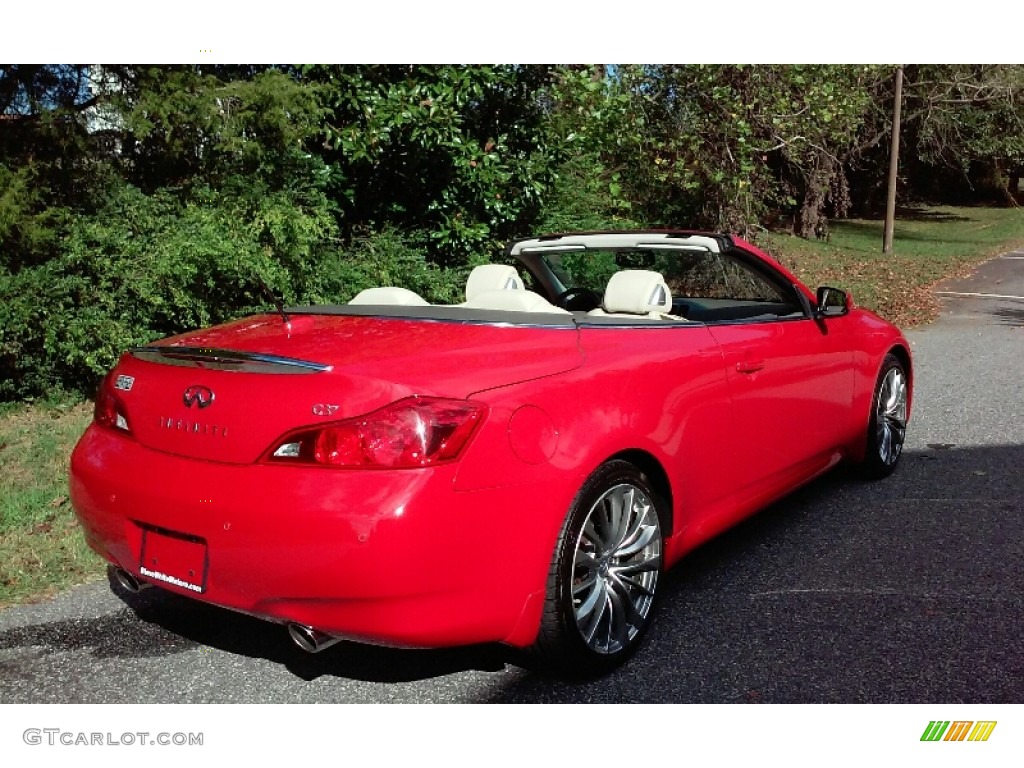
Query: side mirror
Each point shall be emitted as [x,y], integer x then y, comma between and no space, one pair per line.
[832,302]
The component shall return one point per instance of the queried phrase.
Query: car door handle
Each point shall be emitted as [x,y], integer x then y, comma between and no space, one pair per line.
[749,366]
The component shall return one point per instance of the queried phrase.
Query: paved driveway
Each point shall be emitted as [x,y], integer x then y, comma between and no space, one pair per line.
[908,590]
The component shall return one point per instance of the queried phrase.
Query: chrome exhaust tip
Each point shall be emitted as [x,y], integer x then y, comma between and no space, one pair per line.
[311,640]
[128,581]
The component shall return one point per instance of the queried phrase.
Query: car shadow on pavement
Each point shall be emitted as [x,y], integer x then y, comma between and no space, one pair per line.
[158,623]
[908,589]
[114,635]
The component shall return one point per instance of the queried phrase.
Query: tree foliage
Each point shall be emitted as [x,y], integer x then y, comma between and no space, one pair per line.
[458,152]
[139,201]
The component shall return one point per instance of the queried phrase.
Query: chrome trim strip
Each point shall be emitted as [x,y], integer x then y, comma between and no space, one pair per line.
[226,360]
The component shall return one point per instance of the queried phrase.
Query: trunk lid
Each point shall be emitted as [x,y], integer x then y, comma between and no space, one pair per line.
[227,393]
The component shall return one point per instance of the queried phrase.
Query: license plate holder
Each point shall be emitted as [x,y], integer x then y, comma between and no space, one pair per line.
[174,558]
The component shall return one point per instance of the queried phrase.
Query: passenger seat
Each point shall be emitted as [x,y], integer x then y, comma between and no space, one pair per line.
[492,277]
[636,293]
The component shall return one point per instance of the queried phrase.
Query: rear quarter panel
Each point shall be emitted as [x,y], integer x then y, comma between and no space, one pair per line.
[659,390]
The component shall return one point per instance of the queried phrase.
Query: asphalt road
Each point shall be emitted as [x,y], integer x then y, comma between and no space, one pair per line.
[906,590]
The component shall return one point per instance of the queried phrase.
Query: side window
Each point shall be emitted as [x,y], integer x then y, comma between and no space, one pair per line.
[718,287]
[693,274]
[743,283]
[716,276]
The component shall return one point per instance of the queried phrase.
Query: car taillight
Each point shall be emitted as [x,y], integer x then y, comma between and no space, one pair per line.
[109,411]
[415,432]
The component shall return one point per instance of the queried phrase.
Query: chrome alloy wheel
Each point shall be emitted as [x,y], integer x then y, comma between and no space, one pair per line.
[891,416]
[615,568]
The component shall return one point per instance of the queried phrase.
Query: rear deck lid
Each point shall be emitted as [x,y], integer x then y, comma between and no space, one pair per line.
[227,393]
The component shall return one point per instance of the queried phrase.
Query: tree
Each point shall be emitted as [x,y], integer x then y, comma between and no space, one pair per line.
[458,152]
[716,147]
[963,131]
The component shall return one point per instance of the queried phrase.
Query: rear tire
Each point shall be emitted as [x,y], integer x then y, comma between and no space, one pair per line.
[887,428]
[604,575]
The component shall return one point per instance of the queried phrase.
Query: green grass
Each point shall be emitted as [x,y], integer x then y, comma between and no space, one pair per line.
[41,545]
[930,244]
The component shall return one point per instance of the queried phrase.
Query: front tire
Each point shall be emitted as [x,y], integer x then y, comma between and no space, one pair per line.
[604,574]
[887,429]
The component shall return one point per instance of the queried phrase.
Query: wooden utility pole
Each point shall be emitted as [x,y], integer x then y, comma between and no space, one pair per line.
[894,163]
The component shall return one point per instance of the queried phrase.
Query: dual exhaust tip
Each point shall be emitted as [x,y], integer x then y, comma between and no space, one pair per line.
[308,639]
[311,640]
[129,582]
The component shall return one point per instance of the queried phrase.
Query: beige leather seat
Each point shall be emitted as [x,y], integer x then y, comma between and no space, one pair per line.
[389,295]
[636,293]
[514,301]
[493,277]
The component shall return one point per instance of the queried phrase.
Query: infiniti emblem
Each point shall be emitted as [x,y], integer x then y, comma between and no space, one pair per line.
[198,395]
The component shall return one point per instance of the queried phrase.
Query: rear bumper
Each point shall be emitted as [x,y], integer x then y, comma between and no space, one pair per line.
[391,557]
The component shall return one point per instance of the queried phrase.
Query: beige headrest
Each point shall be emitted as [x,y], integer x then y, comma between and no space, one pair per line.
[389,295]
[492,277]
[637,291]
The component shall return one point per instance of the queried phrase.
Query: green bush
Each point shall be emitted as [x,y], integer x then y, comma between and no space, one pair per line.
[148,266]
[387,258]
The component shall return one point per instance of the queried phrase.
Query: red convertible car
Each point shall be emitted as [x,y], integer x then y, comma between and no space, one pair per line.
[519,468]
